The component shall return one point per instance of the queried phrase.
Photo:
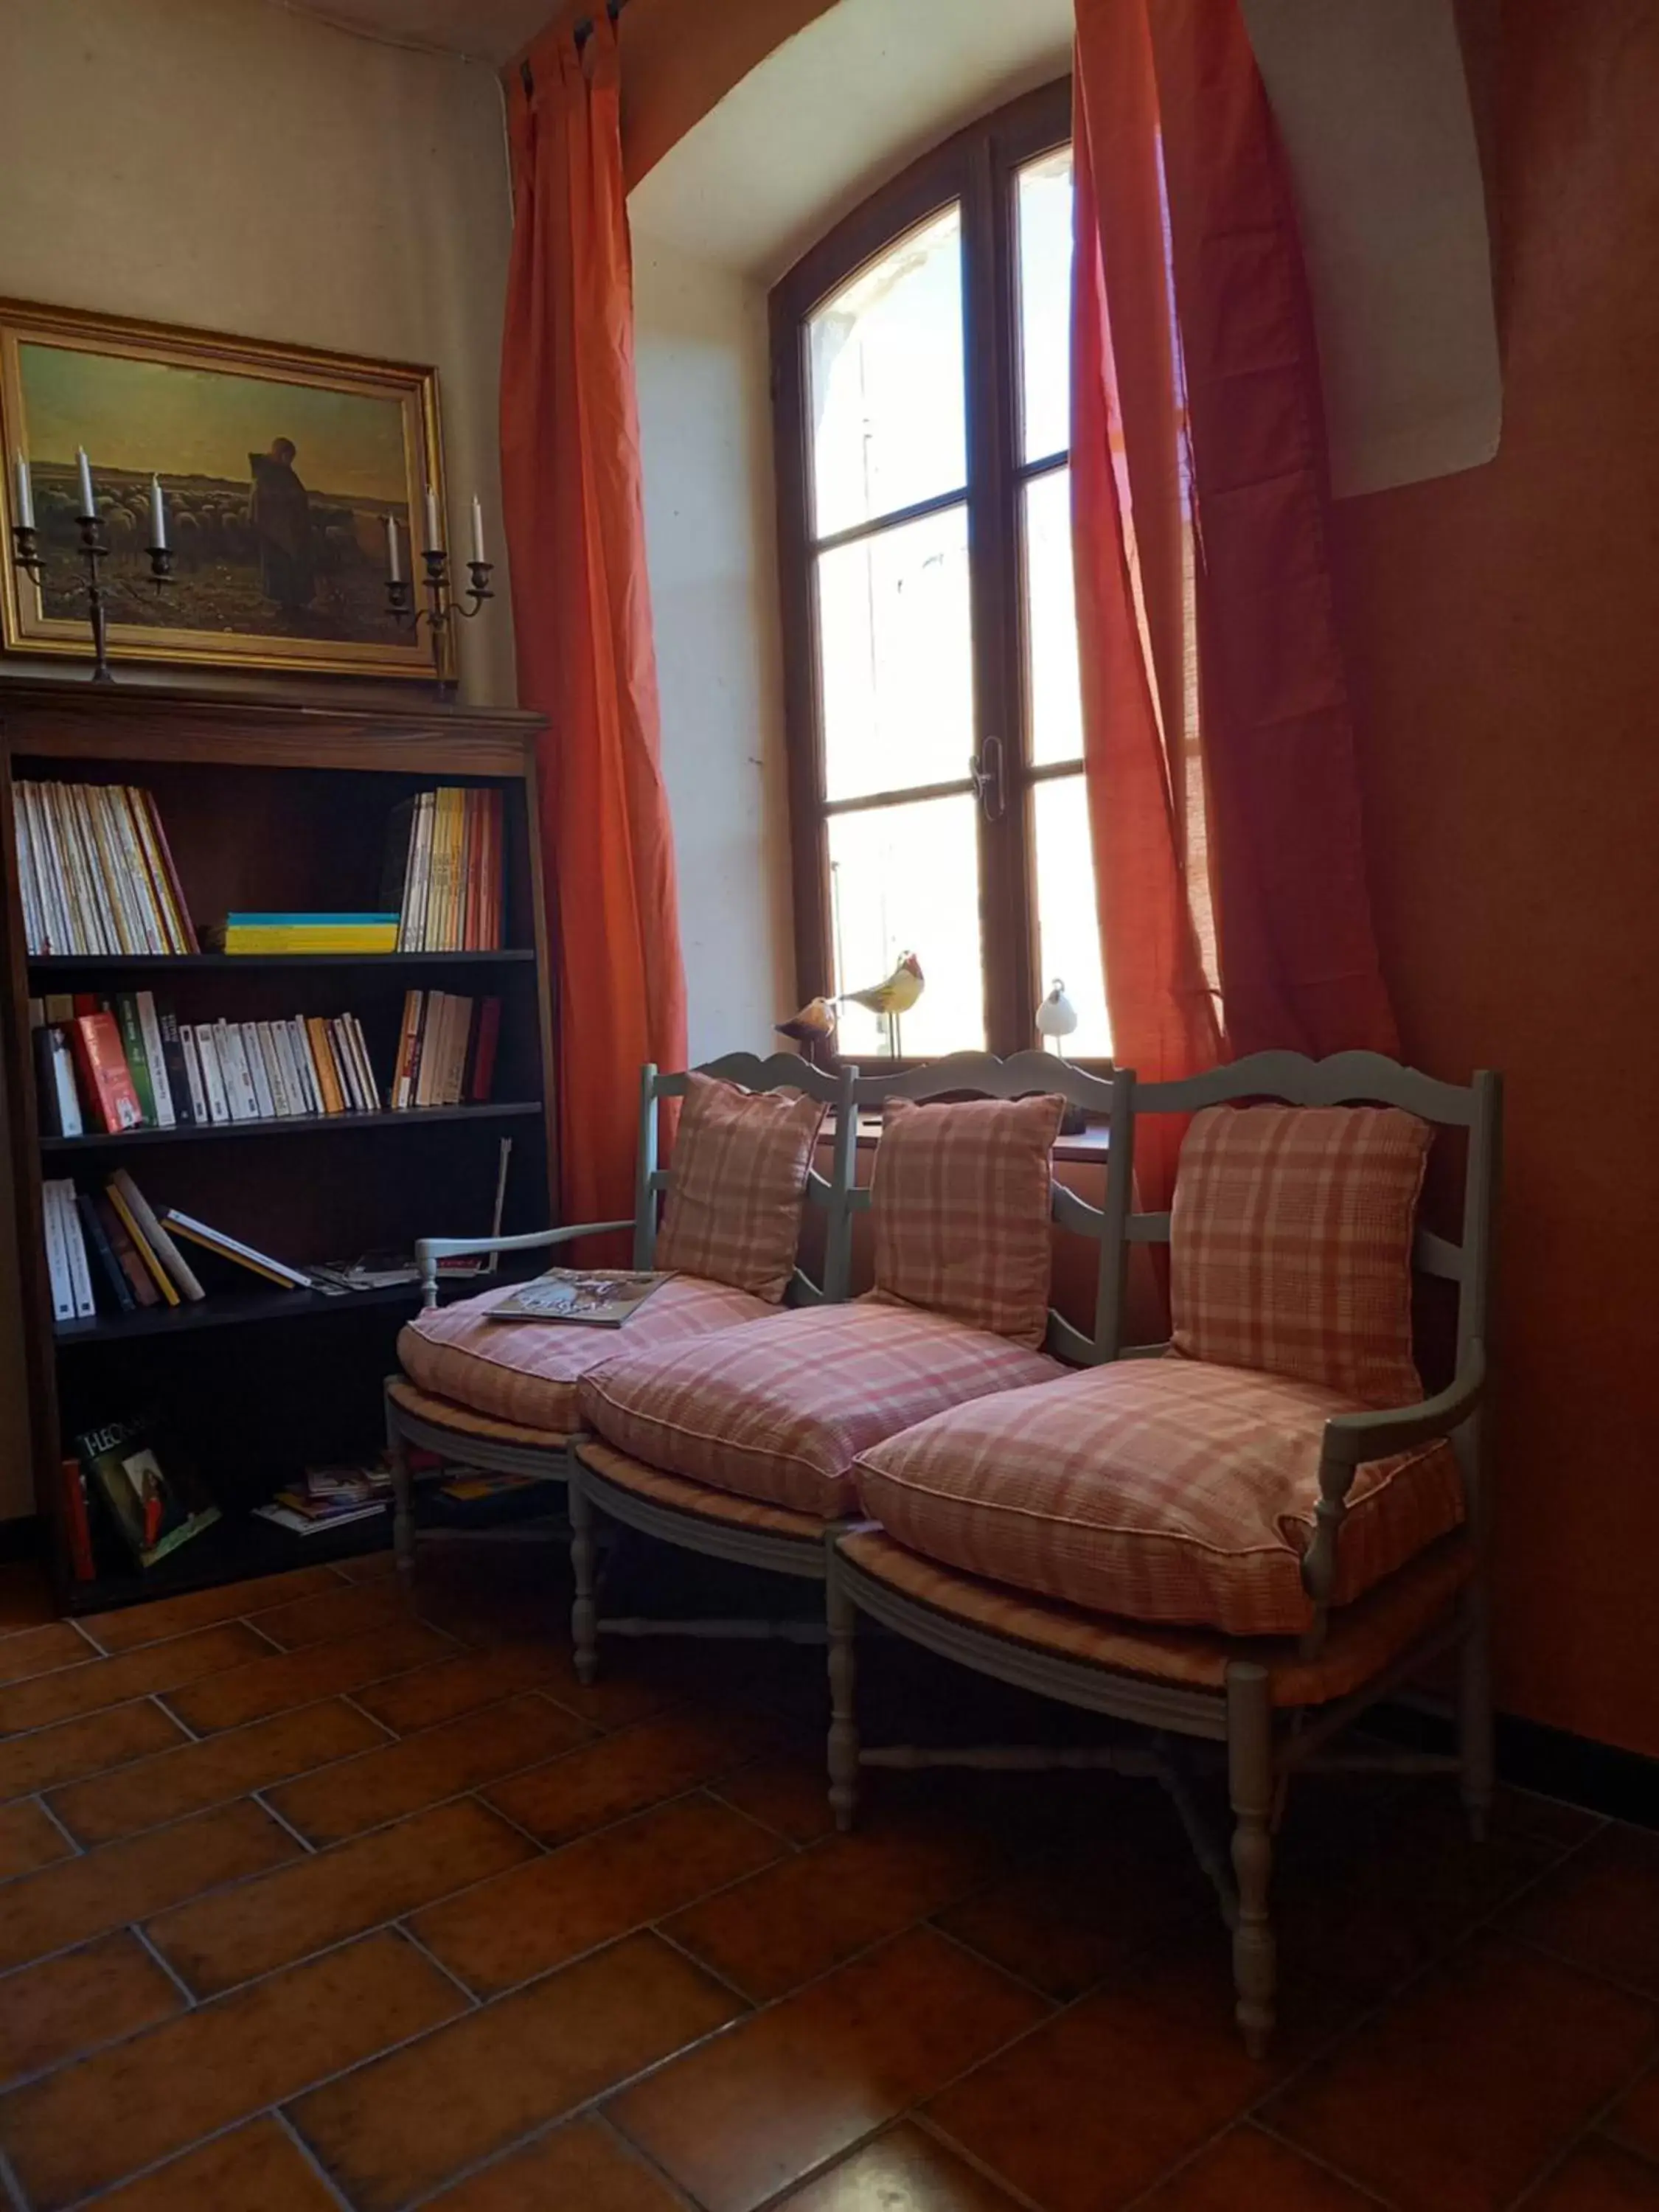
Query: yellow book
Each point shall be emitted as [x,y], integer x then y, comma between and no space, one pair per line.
[380,937]
[141,1243]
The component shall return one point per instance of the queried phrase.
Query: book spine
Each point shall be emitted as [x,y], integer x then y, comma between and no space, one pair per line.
[166,1250]
[132,1266]
[121,912]
[139,862]
[366,1066]
[141,1244]
[113,1273]
[328,1081]
[105,1074]
[404,1065]
[412,937]
[345,1059]
[281,1037]
[192,1067]
[150,815]
[310,1080]
[155,1060]
[77,1522]
[179,1089]
[232,1248]
[213,1075]
[94,890]
[57,1269]
[455,1043]
[275,1074]
[481,1078]
[68,867]
[46,1081]
[132,1046]
[239,1076]
[75,1245]
[431,1046]
[265,1105]
[34,929]
[54,920]
[497,878]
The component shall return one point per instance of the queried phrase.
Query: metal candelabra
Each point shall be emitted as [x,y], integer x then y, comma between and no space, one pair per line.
[441,609]
[95,551]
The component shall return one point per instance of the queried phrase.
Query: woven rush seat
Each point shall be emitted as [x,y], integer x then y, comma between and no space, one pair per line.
[464,1421]
[677,1495]
[526,1372]
[1363,1638]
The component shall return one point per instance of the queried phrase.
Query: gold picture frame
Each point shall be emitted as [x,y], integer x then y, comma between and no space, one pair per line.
[292,577]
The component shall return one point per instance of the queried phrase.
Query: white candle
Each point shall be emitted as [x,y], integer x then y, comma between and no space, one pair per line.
[88,503]
[394,559]
[158,517]
[433,540]
[478,554]
[25,496]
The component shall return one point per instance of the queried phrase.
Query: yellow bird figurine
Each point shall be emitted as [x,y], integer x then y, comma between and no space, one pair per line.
[892,998]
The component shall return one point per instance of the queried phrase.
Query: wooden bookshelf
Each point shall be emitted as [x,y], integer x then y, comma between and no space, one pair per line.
[270,803]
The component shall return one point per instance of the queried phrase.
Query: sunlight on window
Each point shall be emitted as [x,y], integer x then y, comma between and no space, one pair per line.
[1045,304]
[906,879]
[1068,931]
[886,382]
[1056,708]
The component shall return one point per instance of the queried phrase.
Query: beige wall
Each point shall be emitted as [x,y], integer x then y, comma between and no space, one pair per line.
[232,164]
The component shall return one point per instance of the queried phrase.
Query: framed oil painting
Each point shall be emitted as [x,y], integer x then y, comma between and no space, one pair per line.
[280,468]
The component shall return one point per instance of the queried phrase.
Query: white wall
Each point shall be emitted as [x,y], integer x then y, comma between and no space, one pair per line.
[701,345]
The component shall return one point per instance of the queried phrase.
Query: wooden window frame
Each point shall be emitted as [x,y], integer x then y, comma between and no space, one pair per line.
[976,169]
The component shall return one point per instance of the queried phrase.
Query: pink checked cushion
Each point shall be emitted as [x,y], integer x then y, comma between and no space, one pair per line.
[959,1200]
[1158,1489]
[1291,1245]
[780,1410]
[526,1372]
[739,1170]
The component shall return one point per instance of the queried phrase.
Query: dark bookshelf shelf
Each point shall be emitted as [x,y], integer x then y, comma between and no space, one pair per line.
[47,965]
[236,1549]
[231,1309]
[294,1125]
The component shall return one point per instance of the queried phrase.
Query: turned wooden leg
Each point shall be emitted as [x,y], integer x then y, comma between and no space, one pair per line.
[1475,1720]
[584,1612]
[403,1495]
[1250,1787]
[842,1617]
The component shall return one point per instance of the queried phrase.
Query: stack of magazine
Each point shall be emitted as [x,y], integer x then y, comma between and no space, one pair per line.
[328,1497]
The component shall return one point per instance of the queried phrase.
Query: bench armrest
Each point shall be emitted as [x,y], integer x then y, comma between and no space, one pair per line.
[430,1250]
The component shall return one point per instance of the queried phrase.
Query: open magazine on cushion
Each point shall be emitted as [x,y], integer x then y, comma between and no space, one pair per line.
[600,1297]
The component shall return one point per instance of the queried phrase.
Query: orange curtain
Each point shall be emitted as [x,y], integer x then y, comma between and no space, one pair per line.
[581,609]
[1218,744]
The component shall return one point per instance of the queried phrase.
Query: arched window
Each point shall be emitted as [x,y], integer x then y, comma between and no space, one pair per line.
[920,364]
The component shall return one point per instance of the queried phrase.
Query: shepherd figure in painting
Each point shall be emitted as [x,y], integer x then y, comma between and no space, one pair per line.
[280,512]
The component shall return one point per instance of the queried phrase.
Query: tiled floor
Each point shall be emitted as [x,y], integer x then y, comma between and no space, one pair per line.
[314,1896]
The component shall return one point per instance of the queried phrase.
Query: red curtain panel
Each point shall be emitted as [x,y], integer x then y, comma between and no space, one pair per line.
[1217,741]
[581,610]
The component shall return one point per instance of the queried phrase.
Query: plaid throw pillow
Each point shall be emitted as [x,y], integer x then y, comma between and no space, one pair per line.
[959,1200]
[739,1169]
[1291,1245]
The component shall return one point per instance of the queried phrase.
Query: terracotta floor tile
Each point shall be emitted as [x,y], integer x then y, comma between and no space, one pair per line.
[371,1567]
[395,1778]
[67,2005]
[594,1890]
[578,2168]
[461,1685]
[155,1671]
[1523,1813]
[329,1614]
[624,1772]
[1107,2098]
[789,1793]
[28,1840]
[40,1651]
[1637,2118]
[138,1624]
[819,1906]
[906,2170]
[1599,2177]
[1068,1916]
[729,2122]
[216,1942]
[1247,2168]
[1601,1909]
[145,2099]
[279,1680]
[25,1596]
[257,2168]
[197,1775]
[78,1898]
[93,1745]
[1456,2096]
[407,2123]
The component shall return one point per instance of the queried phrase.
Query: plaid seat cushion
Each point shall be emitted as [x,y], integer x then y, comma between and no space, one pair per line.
[779,1410]
[1156,1490]
[1291,1245]
[959,1202]
[739,1171]
[526,1372]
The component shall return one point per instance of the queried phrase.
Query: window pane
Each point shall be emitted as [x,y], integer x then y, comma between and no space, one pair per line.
[896,651]
[885,382]
[1068,930]
[906,879]
[1044,207]
[1051,620]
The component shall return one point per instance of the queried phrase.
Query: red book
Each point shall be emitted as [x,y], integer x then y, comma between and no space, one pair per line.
[483,1052]
[78,1528]
[105,1075]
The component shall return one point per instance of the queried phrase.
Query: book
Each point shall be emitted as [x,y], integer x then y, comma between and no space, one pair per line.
[181,1094]
[95,876]
[158,1275]
[232,1249]
[149,817]
[154,1511]
[597,1297]
[264,1104]
[322,1057]
[481,1072]
[74,1252]
[58,1267]
[239,1076]
[196,1088]
[126,1005]
[77,1521]
[122,1186]
[106,1077]
[111,1272]
[54,1069]
[139,1279]
[213,1074]
[294,1068]
[307,932]
[300,1523]
[154,1059]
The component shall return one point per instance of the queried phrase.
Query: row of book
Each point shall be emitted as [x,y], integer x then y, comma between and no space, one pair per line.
[446,1052]
[96,872]
[111,1247]
[444,871]
[307,933]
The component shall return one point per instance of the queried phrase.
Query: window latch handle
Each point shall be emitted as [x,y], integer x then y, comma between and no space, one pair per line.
[985,772]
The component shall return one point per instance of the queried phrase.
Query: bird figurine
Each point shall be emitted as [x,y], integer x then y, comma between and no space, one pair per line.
[1056,1016]
[810,1028]
[891,999]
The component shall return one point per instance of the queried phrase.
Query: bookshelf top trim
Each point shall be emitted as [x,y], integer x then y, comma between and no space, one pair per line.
[293,1125]
[45,965]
